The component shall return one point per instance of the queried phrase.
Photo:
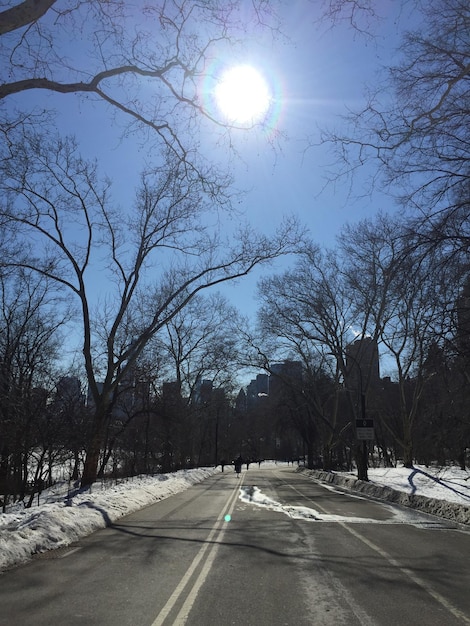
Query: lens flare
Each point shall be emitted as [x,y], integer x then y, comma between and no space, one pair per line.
[227,518]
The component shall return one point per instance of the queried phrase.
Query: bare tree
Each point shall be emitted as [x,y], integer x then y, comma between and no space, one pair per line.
[146,62]
[200,342]
[361,15]
[403,296]
[383,289]
[443,430]
[152,260]
[415,127]
[197,344]
[310,313]
[416,321]
[29,342]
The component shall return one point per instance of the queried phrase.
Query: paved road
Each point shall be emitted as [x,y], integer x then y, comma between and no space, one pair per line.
[293,553]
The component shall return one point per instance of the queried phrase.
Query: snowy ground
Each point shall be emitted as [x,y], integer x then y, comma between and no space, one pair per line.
[443,491]
[61,518]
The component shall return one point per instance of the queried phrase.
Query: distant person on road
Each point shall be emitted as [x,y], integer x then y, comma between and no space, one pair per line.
[238,464]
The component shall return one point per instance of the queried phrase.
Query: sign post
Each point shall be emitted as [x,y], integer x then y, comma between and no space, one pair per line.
[365,429]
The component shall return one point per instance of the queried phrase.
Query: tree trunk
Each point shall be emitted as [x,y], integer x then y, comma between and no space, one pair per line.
[361,460]
[407,445]
[76,463]
[92,459]
[326,451]
[310,445]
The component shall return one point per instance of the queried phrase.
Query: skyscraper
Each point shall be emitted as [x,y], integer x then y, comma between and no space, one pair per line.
[362,363]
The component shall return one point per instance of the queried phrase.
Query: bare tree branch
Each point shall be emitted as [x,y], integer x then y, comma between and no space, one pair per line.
[158,255]
[23,14]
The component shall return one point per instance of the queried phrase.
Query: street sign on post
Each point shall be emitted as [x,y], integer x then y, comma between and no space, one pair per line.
[365,429]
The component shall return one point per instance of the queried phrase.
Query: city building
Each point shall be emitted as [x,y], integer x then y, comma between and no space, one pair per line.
[362,364]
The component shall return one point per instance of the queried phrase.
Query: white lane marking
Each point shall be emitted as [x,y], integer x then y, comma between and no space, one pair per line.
[211,544]
[408,572]
[418,519]
[253,495]
[405,570]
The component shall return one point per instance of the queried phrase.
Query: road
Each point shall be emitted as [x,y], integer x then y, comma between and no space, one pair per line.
[311,555]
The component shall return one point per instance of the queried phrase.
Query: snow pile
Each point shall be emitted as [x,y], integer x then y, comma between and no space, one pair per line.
[444,492]
[253,495]
[62,519]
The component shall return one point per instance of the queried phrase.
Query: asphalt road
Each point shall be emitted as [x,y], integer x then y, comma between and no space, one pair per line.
[317,556]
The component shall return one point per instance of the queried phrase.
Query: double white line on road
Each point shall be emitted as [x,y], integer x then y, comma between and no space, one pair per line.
[211,545]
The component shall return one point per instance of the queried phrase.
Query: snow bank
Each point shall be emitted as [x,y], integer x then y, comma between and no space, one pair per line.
[58,523]
[458,512]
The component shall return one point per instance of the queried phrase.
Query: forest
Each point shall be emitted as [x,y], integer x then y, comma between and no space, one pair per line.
[373,331]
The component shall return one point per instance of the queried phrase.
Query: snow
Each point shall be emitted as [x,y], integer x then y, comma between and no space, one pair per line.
[443,492]
[62,517]
[440,491]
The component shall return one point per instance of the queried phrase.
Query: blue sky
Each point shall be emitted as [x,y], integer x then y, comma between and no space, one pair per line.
[319,73]
[323,73]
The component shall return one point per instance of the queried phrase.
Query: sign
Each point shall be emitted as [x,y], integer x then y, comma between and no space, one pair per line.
[365,429]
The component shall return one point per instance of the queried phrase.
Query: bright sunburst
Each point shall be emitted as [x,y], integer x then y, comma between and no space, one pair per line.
[243,95]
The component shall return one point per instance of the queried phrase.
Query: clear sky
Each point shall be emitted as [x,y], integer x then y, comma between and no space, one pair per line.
[318,73]
[322,74]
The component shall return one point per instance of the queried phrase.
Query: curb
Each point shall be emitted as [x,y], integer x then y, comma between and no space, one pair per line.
[441,508]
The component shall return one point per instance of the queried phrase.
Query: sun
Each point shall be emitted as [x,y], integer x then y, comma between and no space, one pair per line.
[242,95]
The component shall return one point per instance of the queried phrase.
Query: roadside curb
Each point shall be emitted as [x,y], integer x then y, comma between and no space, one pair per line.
[449,510]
